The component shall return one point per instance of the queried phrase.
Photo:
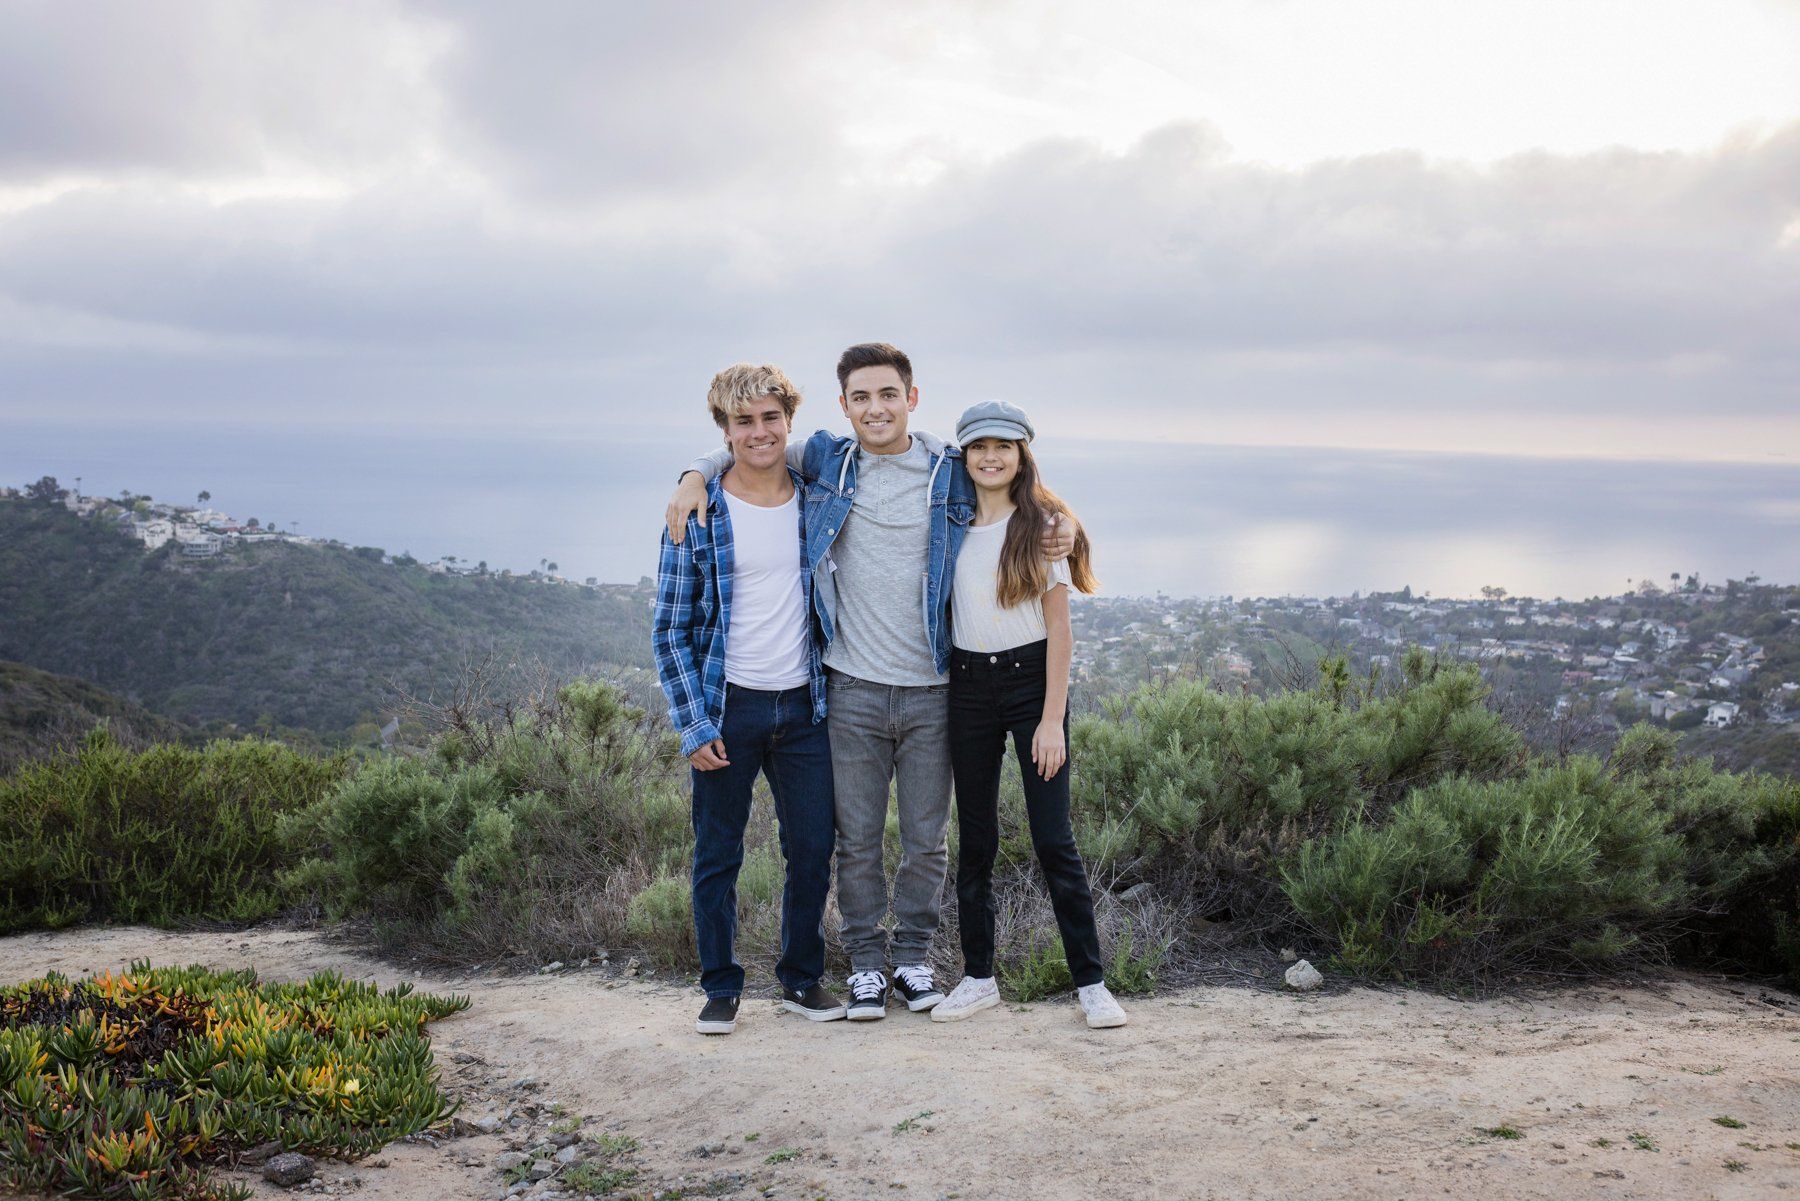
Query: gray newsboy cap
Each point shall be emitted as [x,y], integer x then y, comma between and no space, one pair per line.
[993,419]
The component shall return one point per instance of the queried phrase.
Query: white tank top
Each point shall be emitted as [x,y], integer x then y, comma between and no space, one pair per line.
[766,646]
[977,622]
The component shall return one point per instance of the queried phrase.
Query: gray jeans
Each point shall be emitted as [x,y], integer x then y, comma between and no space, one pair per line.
[882,733]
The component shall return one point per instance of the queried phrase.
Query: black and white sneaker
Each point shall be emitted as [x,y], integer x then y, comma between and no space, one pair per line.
[815,1003]
[868,996]
[719,1016]
[916,987]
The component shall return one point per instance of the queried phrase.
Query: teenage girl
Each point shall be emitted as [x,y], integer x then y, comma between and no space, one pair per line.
[1009,674]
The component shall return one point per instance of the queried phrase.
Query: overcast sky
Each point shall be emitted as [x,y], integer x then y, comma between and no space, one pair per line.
[1565,229]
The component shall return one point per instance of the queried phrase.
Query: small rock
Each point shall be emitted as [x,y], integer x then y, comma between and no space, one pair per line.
[260,1153]
[1288,954]
[631,968]
[542,1169]
[565,1138]
[287,1169]
[526,1083]
[506,1161]
[568,1155]
[551,967]
[1136,892]
[1303,977]
[487,1123]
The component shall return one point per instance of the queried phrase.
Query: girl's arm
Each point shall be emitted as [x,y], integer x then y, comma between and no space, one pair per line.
[1049,750]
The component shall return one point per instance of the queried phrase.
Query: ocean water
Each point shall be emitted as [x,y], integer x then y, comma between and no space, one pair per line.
[1176,518]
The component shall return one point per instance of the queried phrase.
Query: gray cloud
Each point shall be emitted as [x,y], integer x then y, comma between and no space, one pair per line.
[206,89]
[569,205]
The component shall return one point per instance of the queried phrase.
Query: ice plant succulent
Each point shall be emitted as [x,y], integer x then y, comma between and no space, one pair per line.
[131,1084]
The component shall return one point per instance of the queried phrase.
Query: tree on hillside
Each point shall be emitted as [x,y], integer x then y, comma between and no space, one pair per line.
[204,496]
[46,489]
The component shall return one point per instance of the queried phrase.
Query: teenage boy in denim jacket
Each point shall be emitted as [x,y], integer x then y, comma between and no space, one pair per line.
[883,510]
[739,663]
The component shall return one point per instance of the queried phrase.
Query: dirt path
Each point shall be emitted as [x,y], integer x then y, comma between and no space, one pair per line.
[1212,1093]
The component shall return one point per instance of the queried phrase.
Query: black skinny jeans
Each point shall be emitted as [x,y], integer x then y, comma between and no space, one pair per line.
[992,696]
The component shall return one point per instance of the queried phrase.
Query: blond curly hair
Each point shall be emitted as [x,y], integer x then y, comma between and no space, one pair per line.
[739,386]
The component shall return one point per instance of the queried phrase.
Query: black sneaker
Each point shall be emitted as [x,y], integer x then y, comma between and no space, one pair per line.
[868,996]
[815,1003]
[916,987]
[719,1016]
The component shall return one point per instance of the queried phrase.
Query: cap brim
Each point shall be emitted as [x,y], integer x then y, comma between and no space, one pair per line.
[992,429]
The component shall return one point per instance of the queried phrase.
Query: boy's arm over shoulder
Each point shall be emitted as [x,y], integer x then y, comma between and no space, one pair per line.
[710,466]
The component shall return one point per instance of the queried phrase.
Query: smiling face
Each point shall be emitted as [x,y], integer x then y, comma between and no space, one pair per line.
[877,402]
[758,435]
[993,463]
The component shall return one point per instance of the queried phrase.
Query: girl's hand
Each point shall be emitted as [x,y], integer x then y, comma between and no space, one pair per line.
[1048,751]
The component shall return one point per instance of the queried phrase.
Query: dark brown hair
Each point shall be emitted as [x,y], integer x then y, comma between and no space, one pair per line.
[1023,572]
[873,354]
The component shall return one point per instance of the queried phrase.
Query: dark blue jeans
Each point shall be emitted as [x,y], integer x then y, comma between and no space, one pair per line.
[772,733]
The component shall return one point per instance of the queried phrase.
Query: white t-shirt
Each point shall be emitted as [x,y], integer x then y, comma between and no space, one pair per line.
[766,646]
[977,622]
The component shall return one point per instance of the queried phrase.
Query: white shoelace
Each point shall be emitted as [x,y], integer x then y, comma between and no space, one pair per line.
[917,977]
[866,985]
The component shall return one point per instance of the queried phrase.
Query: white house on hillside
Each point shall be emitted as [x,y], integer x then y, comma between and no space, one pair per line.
[156,533]
[1720,714]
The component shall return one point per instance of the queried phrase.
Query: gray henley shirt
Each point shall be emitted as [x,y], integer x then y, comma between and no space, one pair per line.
[880,560]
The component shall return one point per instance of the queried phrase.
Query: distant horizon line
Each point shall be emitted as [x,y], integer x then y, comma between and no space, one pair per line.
[1753,579]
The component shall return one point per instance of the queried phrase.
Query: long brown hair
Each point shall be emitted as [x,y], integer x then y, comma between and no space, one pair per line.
[1023,572]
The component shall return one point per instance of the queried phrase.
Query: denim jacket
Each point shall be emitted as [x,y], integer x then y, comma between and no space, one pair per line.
[827,464]
[693,615]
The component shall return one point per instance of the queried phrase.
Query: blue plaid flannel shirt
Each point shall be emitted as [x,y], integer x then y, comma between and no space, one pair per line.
[693,613]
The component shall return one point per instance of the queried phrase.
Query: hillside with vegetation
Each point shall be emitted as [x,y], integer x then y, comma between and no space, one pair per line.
[42,712]
[280,637]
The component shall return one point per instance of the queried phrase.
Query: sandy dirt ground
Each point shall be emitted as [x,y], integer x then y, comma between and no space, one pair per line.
[1211,1093]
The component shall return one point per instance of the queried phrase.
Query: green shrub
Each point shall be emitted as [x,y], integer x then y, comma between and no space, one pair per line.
[528,835]
[1740,836]
[1477,876]
[1036,971]
[164,835]
[660,918]
[1133,968]
[1179,781]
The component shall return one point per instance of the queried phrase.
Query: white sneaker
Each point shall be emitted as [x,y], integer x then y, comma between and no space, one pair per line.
[967,998]
[1101,1009]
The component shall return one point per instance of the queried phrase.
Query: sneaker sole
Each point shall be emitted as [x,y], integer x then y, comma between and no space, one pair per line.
[866,1013]
[814,1015]
[930,1000]
[714,1027]
[1106,1023]
[940,1014]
